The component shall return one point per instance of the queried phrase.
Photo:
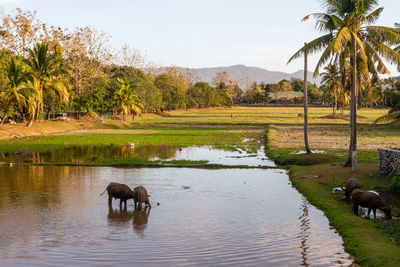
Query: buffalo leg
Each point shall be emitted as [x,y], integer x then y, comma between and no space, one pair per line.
[110,201]
[374,213]
[369,211]
[355,209]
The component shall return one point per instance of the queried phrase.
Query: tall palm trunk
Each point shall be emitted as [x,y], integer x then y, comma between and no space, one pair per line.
[335,104]
[308,150]
[3,119]
[37,110]
[352,158]
[32,117]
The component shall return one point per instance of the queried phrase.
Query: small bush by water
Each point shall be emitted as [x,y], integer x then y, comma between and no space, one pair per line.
[395,184]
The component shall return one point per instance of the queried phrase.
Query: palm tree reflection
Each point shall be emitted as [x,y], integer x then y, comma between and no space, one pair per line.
[304,234]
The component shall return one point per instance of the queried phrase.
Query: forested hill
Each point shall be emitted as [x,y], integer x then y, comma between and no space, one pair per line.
[240,72]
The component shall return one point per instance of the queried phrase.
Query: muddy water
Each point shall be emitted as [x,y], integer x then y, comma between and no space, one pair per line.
[92,154]
[54,216]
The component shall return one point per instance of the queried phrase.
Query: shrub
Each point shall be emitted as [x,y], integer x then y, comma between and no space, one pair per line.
[395,184]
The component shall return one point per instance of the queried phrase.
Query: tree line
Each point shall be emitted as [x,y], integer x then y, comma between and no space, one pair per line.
[46,69]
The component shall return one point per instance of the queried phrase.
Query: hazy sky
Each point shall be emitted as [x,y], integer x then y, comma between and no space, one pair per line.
[199,33]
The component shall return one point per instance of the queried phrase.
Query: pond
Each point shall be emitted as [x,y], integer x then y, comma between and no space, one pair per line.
[55,216]
[92,154]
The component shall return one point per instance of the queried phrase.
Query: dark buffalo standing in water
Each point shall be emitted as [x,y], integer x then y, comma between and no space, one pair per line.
[140,196]
[351,185]
[118,191]
[369,200]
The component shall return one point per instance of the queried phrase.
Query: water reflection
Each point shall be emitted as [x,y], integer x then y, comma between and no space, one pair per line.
[49,213]
[96,154]
[140,218]
[119,216]
[304,227]
[90,154]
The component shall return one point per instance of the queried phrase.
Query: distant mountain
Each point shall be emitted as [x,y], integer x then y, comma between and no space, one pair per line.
[240,72]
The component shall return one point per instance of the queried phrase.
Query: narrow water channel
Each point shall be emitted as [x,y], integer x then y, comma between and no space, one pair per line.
[245,217]
[93,154]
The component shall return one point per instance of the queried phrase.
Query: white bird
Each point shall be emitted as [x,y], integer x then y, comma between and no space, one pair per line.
[132,145]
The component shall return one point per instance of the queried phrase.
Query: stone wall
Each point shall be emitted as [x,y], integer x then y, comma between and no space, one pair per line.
[389,160]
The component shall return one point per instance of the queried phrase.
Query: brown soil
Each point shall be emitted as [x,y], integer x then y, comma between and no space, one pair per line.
[293,137]
[8,131]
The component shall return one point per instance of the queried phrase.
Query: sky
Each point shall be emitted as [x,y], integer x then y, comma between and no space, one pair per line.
[199,33]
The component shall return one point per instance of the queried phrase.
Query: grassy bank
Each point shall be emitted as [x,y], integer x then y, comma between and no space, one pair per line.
[367,240]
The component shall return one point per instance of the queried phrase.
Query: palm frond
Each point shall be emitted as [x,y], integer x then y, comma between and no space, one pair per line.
[388,117]
[313,46]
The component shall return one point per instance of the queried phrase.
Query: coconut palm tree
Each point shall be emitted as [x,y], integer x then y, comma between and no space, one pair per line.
[333,81]
[17,92]
[47,70]
[126,99]
[348,30]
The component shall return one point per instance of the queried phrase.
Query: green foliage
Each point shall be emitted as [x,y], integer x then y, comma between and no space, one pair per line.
[297,84]
[256,95]
[98,101]
[126,99]
[203,95]
[173,96]
[395,184]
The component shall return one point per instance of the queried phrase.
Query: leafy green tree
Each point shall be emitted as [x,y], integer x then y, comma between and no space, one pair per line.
[173,96]
[150,96]
[257,94]
[297,84]
[201,95]
[223,95]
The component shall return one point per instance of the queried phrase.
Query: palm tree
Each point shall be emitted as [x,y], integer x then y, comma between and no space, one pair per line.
[126,100]
[349,30]
[333,82]
[47,70]
[17,92]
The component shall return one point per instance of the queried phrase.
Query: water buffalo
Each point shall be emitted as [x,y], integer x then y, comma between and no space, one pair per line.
[369,200]
[140,195]
[351,185]
[118,191]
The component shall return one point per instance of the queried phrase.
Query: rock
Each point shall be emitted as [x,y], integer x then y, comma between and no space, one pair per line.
[389,160]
